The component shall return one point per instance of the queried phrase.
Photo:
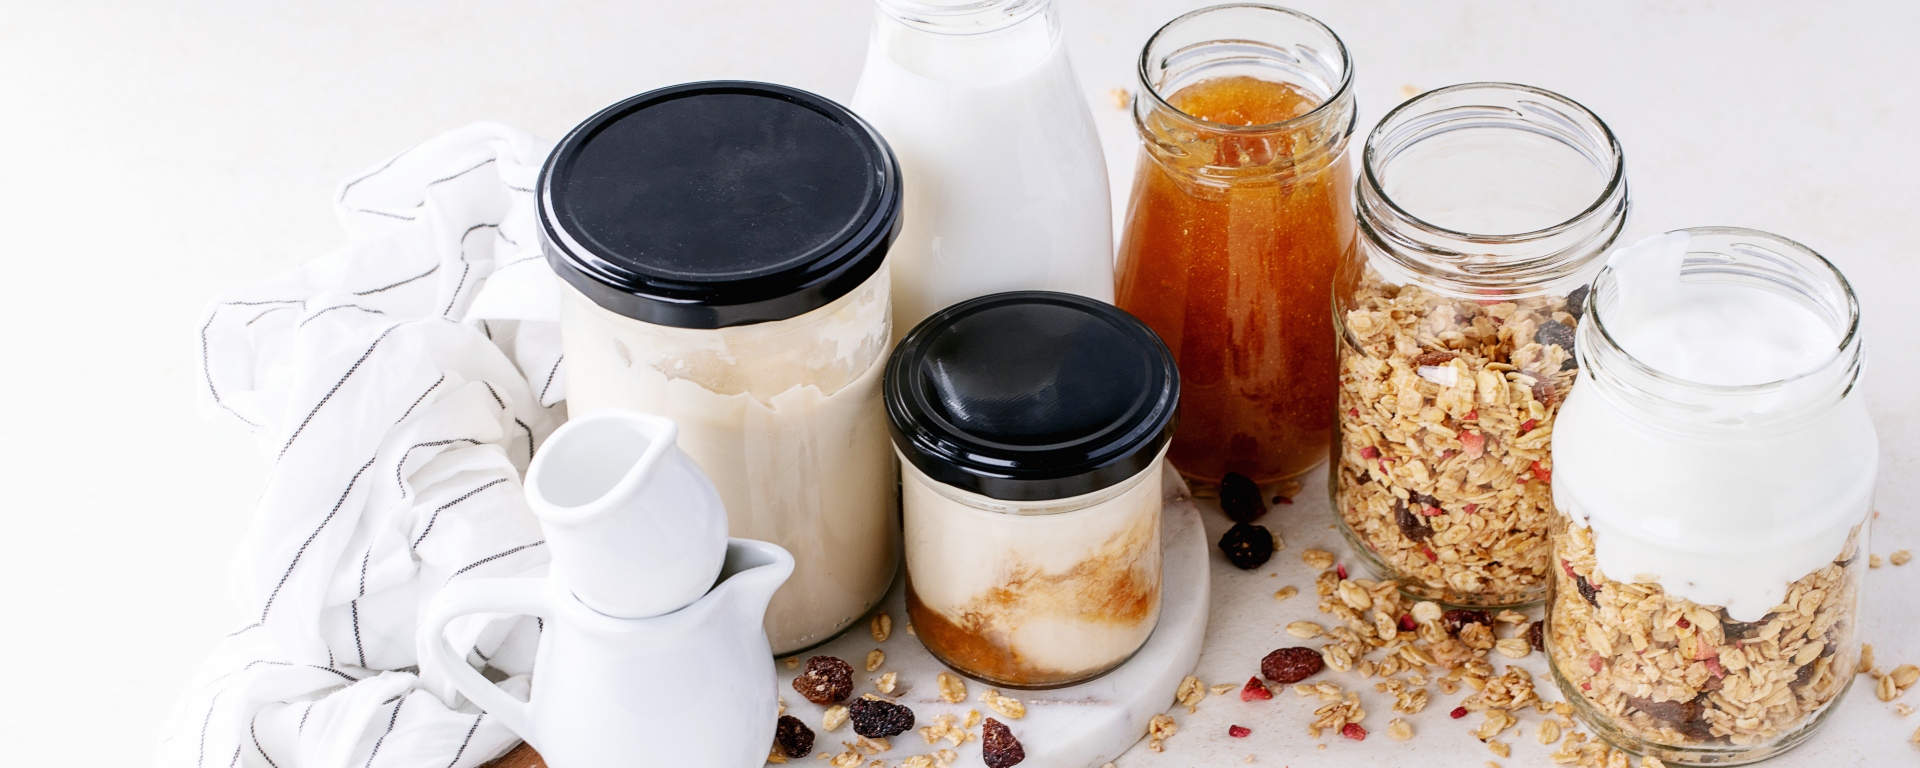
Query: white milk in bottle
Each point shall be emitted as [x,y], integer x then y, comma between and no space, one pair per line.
[1006,185]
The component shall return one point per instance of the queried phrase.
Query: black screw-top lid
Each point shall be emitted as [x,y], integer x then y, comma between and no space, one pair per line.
[1031,395]
[715,204]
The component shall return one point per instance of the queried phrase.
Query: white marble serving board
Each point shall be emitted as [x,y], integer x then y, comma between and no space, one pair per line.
[1082,726]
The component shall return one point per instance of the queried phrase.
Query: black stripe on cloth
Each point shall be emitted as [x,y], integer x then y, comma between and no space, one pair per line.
[206,365]
[486,329]
[391,286]
[444,179]
[551,372]
[431,519]
[496,395]
[398,467]
[523,425]
[491,558]
[422,397]
[236,757]
[354,604]
[253,730]
[394,718]
[316,534]
[336,388]
[310,318]
[503,236]
[384,213]
[302,728]
[347,187]
[521,260]
[211,703]
[519,189]
[249,627]
[468,740]
[256,318]
[465,267]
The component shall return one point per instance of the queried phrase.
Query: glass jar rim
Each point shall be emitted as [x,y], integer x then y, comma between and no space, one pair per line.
[949,19]
[1617,177]
[1319,111]
[1596,315]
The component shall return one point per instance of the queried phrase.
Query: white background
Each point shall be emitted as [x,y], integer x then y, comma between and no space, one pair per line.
[153,155]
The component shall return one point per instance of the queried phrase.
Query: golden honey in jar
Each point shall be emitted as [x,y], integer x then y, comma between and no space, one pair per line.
[1242,209]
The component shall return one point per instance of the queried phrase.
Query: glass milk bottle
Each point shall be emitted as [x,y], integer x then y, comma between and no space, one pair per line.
[1484,211]
[1006,184]
[1714,485]
[1242,207]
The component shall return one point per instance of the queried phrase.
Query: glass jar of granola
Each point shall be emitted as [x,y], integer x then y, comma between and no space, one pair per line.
[1714,485]
[1483,210]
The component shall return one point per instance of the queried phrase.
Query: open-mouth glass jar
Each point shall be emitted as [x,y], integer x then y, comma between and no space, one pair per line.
[1483,210]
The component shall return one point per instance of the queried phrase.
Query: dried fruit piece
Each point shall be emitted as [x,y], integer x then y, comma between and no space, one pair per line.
[1412,526]
[1240,498]
[1457,713]
[1247,546]
[876,719]
[825,680]
[794,738]
[1433,358]
[998,747]
[1587,590]
[1554,333]
[1287,666]
[1254,689]
[1237,731]
[1354,731]
[881,627]
[1536,635]
[1577,301]
[1460,617]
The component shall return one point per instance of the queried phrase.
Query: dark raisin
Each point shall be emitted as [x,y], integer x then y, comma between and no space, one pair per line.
[1577,301]
[1433,358]
[877,719]
[794,737]
[1287,666]
[1688,717]
[1424,500]
[1554,333]
[1805,673]
[1412,526]
[1247,546]
[998,747]
[825,680]
[1740,630]
[1460,617]
[1537,635]
[1240,498]
[1544,392]
[1587,590]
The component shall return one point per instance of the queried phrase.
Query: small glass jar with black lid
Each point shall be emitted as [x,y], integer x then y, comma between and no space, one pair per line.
[1032,429]
[723,248]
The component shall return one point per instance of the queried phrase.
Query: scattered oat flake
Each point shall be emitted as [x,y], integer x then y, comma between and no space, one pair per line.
[1221,689]
[1286,592]
[1121,98]
[1500,748]
[1009,707]
[953,690]
[1318,559]
[881,627]
[887,682]
[1549,731]
[1399,730]
[1900,557]
[835,717]
[1237,732]
[1190,693]
[1873,561]
[875,658]
[792,662]
[1652,762]
[1305,629]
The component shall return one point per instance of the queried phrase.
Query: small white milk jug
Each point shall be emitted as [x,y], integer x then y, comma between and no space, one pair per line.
[653,650]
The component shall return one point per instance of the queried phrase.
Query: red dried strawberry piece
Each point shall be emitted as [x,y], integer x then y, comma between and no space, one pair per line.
[1354,731]
[1473,415]
[1407,624]
[1595,662]
[1433,512]
[1457,713]
[1254,689]
[1237,731]
[1432,557]
[1684,624]
[1526,426]
[1473,443]
[1545,475]
[1341,571]
[1353,413]
[1568,567]
[1713,666]
[1369,452]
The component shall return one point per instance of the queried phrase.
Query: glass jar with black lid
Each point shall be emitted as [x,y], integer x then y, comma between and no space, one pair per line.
[723,247]
[1032,429]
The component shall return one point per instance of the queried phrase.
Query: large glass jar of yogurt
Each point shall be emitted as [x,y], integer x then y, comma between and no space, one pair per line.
[1032,428]
[1484,210]
[724,252]
[1714,480]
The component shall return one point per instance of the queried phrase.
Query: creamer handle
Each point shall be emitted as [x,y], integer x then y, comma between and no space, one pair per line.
[526,597]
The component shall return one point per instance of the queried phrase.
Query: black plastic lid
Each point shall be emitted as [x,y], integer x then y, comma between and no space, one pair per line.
[1031,395]
[715,204]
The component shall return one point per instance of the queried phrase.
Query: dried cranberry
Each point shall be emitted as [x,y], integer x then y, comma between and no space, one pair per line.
[1457,713]
[1240,498]
[1577,301]
[1255,690]
[1526,426]
[1554,333]
[1354,731]
[1595,663]
[1369,452]
[1407,624]
[1353,412]
[1287,666]
[1473,415]
[1247,546]
[1411,525]
[1471,509]
[1432,556]
[1460,617]
[1683,623]
[1433,358]
[825,680]
[1432,512]
[1537,635]
[998,746]
[1341,571]
[794,737]
[1237,732]
[876,719]
[1587,590]
[1541,471]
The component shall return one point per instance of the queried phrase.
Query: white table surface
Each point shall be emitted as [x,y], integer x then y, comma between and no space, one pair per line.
[158,153]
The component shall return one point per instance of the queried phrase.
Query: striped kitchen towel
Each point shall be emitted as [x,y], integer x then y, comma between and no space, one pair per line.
[401,384]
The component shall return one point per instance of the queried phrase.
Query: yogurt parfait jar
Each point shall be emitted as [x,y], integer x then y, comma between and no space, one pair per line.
[1032,430]
[723,248]
[1484,210]
[1714,488]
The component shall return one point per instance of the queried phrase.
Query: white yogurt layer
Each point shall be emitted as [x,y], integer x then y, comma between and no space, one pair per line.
[1726,517]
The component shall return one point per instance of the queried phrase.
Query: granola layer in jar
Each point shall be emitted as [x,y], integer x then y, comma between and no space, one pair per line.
[1484,210]
[1446,414]
[1653,669]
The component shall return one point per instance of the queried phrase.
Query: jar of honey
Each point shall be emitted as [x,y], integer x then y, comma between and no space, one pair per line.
[1242,208]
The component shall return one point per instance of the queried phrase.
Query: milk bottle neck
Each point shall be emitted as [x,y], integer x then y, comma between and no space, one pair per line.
[967,43]
[1627,313]
[968,17]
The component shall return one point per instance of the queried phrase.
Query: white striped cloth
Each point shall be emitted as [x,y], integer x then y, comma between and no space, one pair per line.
[401,384]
